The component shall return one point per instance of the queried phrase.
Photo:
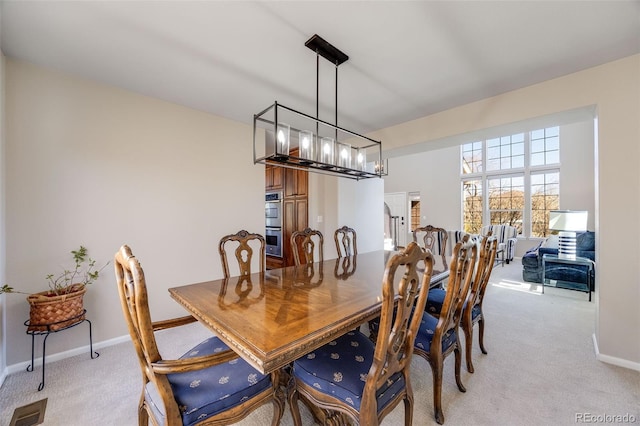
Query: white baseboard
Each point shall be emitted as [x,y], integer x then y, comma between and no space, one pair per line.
[613,360]
[22,366]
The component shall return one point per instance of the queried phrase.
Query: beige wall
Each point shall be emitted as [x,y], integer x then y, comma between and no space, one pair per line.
[614,89]
[98,166]
[3,347]
[93,165]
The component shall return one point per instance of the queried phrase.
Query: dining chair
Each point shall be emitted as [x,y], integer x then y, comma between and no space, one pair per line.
[472,308]
[353,377]
[304,246]
[243,251]
[208,384]
[345,239]
[438,337]
[435,239]
[472,312]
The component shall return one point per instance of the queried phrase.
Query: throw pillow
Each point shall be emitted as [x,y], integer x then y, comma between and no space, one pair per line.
[551,242]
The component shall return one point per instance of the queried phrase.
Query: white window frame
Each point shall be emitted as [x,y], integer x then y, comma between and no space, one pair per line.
[526,171]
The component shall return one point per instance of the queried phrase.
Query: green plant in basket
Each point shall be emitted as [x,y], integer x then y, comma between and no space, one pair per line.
[68,281]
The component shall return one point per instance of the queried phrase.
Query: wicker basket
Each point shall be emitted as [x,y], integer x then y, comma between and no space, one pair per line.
[51,313]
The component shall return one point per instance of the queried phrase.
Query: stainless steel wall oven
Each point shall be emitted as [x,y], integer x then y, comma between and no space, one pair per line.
[273,223]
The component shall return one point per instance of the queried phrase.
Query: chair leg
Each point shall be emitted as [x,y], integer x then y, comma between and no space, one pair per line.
[293,402]
[278,399]
[143,414]
[408,408]
[436,369]
[481,334]
[468,344]
[458,358]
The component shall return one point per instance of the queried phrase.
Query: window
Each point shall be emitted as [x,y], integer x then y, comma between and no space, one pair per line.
[521,178]
[473,205]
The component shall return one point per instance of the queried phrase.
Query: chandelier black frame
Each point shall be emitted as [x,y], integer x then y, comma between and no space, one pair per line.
[296,140]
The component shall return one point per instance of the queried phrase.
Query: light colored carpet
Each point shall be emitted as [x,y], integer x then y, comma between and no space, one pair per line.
[540,370]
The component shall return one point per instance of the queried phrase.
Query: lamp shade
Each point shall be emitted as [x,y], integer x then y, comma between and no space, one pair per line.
[568,220]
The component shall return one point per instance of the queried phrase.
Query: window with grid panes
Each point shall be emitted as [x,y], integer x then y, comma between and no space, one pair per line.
[519,174]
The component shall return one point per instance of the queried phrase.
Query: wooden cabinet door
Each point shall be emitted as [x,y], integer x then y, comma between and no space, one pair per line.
[274,178]
[295,218]
[289,225]
[295,183]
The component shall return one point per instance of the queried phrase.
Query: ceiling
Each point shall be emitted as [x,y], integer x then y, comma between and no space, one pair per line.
[407,59]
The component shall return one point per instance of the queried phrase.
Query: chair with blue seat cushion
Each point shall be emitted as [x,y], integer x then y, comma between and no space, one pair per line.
[472,309]
[207,385]
[507,238]
[438,336]
[353,377]
[472,312]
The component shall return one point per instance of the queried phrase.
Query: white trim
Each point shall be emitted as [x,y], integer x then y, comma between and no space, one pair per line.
[22,366]
[613,360]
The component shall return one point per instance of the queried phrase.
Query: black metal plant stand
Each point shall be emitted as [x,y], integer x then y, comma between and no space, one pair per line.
[48,331]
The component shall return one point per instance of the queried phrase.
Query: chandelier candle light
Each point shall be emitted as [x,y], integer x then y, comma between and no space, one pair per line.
[568,222]
[285,137]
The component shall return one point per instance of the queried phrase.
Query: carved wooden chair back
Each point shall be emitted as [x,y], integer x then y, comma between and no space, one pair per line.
[163,399]
[345,239]
[434,239]
[243,251]
[304,246]
[381,366]
[438,336]
[472,312]
[133,297]
[399,322]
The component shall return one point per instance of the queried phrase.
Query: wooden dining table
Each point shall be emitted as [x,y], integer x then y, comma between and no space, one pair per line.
[274,317]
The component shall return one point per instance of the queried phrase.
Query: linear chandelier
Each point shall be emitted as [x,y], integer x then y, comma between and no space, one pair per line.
[285,137]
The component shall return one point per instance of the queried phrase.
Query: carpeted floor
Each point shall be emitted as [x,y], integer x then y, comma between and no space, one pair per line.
[540,370]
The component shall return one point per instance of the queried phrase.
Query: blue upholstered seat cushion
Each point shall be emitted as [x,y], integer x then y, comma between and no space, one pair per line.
[203,393]
[436,299]
[340,369]
[426,331]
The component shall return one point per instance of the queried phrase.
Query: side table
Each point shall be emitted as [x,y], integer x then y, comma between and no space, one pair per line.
[581,261]
[81,318]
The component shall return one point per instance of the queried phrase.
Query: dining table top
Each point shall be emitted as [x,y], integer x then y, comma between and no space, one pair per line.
[272,318]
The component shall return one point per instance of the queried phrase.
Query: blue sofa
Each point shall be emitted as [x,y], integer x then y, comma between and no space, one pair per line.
[532,262]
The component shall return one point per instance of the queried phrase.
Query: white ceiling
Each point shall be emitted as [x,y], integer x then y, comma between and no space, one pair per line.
[407,59]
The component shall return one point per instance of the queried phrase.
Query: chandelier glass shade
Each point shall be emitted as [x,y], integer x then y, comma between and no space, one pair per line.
[285,137]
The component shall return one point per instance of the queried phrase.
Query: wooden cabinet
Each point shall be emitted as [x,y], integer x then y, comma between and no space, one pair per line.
[295,213]
[274,178]
[296,183]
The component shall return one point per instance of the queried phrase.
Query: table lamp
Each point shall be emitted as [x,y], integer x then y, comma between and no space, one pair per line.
[568,222]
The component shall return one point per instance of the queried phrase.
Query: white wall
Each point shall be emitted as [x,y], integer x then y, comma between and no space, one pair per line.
[345,202]
[436,175]
[614,89]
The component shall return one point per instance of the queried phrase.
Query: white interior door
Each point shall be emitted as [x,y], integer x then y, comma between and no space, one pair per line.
[397,202]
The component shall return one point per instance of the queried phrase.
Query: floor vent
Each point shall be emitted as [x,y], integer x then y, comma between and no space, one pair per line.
[29,415]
